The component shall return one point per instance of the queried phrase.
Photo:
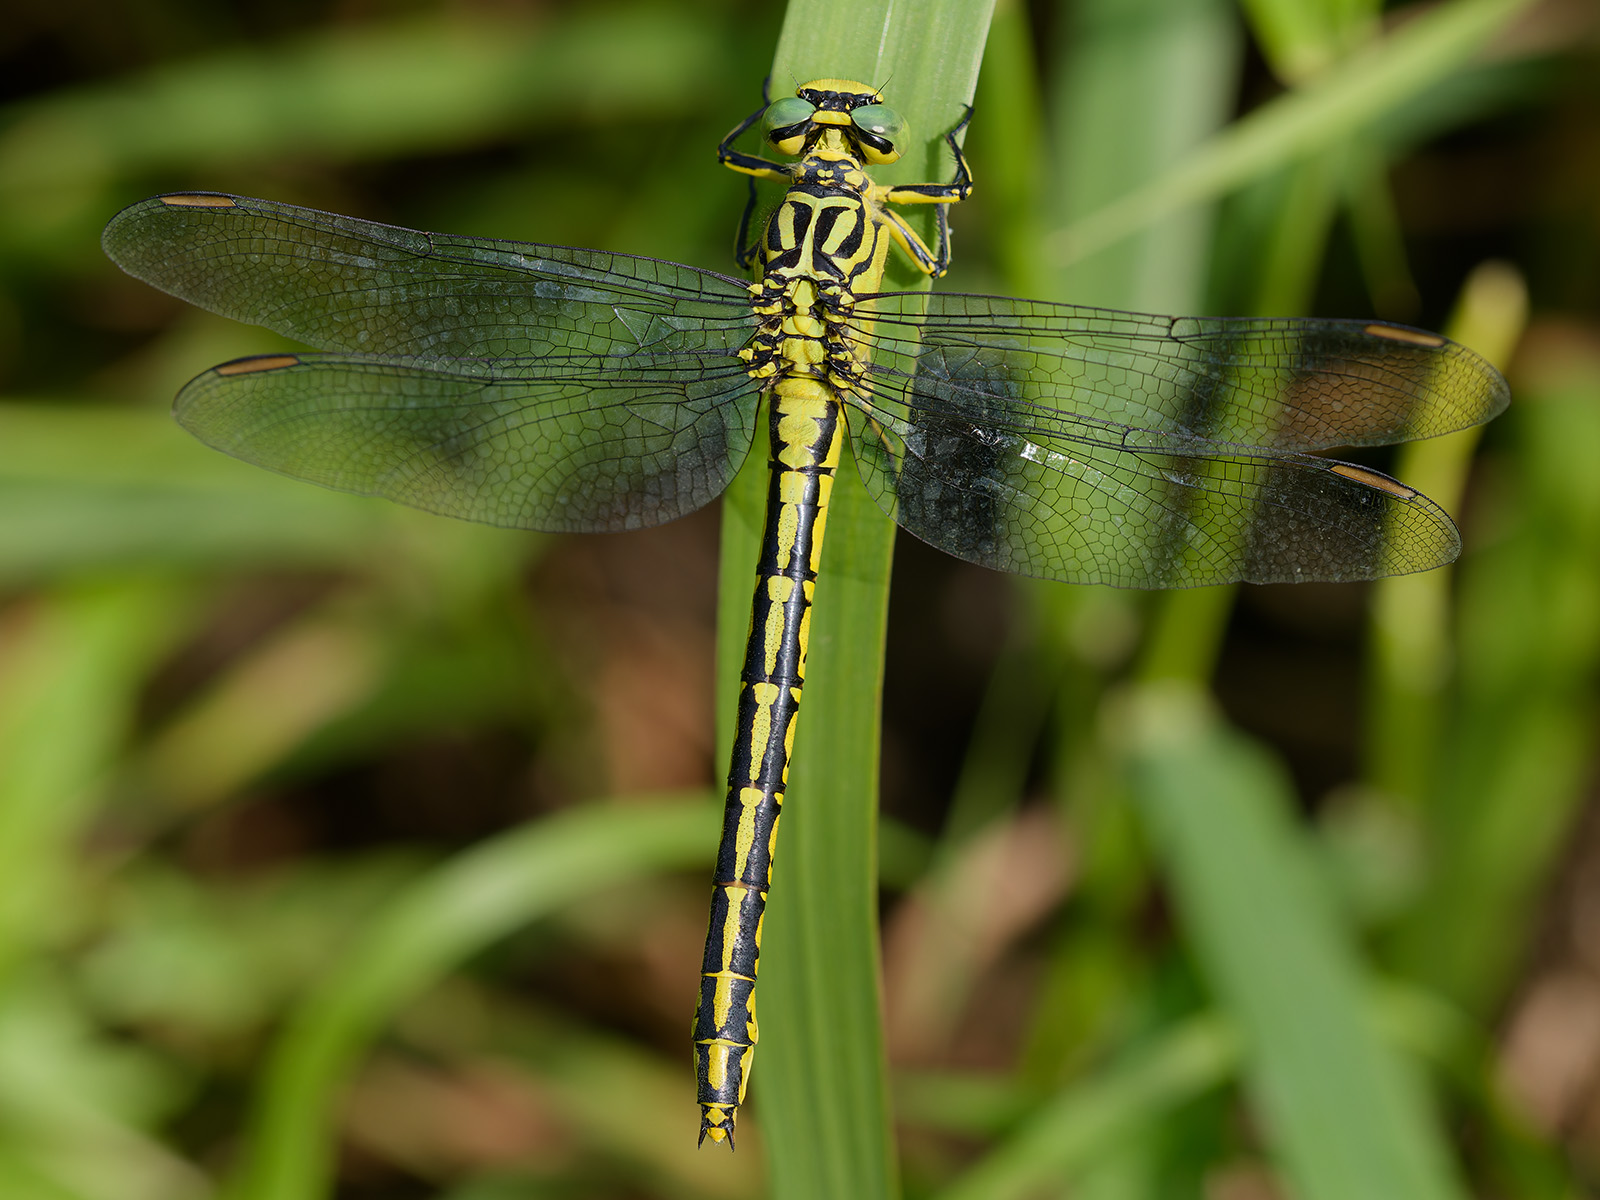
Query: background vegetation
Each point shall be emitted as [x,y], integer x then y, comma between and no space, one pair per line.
[347,851]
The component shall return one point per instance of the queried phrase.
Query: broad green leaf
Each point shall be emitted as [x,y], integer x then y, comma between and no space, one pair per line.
[1342,1114]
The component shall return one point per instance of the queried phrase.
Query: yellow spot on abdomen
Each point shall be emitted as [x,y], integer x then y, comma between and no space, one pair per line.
[750,799]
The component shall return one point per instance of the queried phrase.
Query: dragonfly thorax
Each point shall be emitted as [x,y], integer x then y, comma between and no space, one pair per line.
[827,228]
[824,243]
[805,331]
[833,169]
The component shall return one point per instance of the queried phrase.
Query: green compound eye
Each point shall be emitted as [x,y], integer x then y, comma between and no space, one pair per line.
[879,120]
[781,114]
[880,130]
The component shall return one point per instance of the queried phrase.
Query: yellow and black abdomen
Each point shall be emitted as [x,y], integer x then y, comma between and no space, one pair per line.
[819,241]
[806,428]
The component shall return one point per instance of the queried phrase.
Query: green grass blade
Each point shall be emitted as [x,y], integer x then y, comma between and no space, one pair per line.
[1302,38]
[74,661]
[1297,38]
[1167,70]
[821,1090]
[89,488]
[1376,233]
[71,669]
[1008,123]
[1410,638]
[349,92]
[1360,90]
[1084,1122]
[436,923]
[1138,86]
[1520,744]
[21,1178]
[1342,1115]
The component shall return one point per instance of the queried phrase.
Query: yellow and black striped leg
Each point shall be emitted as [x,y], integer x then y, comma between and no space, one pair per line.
[931,263]
[936,261]
[751,164]
[954,192]
[806,430]
[725,147]
[744,250]
[725,150]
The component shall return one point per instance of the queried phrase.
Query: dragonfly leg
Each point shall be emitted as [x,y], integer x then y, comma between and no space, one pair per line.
[744,249]
[956,190]
[935,262]
[907,239]
[752,164]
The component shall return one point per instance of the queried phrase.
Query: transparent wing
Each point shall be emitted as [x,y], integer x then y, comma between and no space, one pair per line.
[1143,510]
[337,283]
[563,445]
[1093,446]
[542,387]
[1286,384]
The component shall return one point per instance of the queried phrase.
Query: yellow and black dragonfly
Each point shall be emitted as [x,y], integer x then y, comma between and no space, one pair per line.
[553,388]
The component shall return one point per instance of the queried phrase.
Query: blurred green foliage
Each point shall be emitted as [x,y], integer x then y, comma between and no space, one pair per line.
[347,851]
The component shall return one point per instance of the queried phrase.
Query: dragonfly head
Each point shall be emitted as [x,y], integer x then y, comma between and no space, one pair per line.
[851,110]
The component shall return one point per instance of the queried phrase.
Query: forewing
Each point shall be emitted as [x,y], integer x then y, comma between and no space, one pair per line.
[338,283]
[1286,385]
[564,445]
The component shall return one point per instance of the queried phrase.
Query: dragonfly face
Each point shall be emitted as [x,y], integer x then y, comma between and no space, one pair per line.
[555,388]
[855,115]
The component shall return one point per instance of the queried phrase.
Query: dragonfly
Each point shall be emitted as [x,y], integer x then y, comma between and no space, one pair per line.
[571,390]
